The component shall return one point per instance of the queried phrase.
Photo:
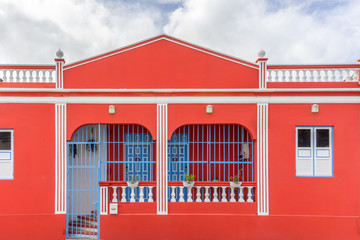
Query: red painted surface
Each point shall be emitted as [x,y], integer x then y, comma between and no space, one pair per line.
[81,114]
[190,68]
[313,85]
[332,196]
[242,114]
[32,190]
[300,207]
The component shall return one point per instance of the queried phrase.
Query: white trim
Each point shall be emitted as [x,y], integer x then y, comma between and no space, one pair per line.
[184,100]
[161,160]
[147,42]
[262,159]
[60,158]
[181,90]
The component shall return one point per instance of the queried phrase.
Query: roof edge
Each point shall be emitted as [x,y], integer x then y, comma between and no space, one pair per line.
[155,39]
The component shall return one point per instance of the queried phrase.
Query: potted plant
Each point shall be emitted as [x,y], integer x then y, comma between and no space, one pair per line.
[133,180]
[235,180]
[189,180]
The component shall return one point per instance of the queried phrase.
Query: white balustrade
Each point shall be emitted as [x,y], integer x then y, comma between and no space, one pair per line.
[211,194]
[313,75]
[142,195]
[28,75]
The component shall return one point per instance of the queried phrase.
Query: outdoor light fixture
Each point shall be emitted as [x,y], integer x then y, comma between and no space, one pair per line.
[111,109]
[315,108]
[209,109]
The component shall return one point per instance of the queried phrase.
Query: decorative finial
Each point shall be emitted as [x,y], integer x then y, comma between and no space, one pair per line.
[59,53]
[261,53]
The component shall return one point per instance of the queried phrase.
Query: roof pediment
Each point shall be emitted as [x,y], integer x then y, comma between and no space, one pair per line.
[161,63]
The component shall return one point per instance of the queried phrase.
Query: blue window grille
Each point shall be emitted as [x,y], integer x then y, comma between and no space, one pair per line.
[128,156]
[213,152]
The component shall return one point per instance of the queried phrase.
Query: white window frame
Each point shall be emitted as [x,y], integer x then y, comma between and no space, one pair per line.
[7,159]
[314,161]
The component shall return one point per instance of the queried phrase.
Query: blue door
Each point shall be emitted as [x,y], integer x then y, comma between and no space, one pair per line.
[138,163]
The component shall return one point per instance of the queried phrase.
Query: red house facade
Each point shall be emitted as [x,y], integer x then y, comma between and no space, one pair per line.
[104,148]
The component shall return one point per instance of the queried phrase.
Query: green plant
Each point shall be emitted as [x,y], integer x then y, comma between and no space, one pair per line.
[190,177]
[237,177]
[134,178]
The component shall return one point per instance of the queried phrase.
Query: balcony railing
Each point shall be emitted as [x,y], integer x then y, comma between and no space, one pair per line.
[28,74]
[211,192]
[313,73]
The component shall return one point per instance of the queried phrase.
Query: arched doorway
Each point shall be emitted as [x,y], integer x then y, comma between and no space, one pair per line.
[103,152]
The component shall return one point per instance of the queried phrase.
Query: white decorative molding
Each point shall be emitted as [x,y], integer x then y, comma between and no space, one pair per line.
[60,158]
[59,66]
[149,41]
[161,160]
[262,159]
[104,201]
[185,100]
[262,72]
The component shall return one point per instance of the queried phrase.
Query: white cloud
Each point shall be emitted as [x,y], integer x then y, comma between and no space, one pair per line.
[32,31]
[290,31]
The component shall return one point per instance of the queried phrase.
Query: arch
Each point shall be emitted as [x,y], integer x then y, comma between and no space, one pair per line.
[212,152]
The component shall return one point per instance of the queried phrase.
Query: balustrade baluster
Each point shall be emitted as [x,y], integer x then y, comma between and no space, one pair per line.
[150,194]
[241,195]
[332,78]
[198,194]
[215,199]
[283,76]
[4,77]
[189,198]
[249,195]
[132,194]
[11,77]
[326,76]
[207,199]
[123,194]
[311,76]
[232,194]
[37,78]
[181,194]
[43,78]
[141,194]
[223,199]
[114,199]
[17,75]
[173,199]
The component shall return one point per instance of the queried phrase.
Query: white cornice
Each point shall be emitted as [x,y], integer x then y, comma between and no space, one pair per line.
[185,100]
[181,90]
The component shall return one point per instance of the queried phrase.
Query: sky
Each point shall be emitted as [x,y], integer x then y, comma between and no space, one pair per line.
[290,31]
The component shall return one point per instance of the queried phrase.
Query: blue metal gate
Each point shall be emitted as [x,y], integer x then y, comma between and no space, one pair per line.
[84,153]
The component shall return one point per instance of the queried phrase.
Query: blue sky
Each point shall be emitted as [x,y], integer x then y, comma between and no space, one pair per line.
[291,31]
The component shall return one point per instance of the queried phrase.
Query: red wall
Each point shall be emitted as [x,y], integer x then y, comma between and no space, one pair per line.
[242,114]
[162,64]
[337,195]
[34,151]
[81,114]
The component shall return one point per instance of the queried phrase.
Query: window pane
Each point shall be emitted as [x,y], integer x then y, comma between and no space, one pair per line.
[304,138]
[322,138]
[5,140]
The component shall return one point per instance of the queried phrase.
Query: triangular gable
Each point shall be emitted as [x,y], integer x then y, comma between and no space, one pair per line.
[161,63]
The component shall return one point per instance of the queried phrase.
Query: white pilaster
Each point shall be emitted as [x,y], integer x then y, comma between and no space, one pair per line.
[161,160]
[59,67]
[60,158]
[262,159]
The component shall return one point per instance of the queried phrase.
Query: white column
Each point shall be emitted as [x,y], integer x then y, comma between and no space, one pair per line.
[161,160]
[104,201]
[262,69]
[60,158]
[59,65]
[262,159]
